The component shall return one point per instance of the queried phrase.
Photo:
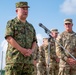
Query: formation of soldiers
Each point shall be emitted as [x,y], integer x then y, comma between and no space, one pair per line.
[57,56]
[48,61]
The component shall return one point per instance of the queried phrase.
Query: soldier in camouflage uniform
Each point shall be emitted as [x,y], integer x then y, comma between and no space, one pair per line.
[36,57]
[67,39]
[21,38]
[43,59]
[41,65]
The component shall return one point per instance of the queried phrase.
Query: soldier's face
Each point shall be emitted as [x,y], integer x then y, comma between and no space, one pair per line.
[22,12]
[54,34]
[68,26]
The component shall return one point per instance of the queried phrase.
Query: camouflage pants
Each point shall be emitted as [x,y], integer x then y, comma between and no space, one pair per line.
[66,69]
[54,68]
[41,69]
[35,71]
[19,69]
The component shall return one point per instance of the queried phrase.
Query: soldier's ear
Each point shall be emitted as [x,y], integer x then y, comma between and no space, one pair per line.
[16,10]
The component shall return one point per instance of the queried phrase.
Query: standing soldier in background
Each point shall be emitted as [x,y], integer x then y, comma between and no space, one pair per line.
[43,52]
[67,39]
[36,56]
[21,38]
[41,65]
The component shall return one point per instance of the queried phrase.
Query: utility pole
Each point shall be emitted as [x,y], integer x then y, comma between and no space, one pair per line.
[1,62]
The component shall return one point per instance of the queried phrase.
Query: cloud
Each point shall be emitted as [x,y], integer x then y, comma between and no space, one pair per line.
[40,39]
[4,45]
[3,53]
[68,7]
